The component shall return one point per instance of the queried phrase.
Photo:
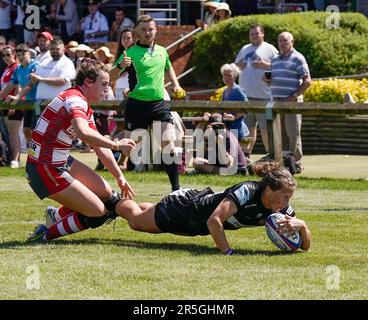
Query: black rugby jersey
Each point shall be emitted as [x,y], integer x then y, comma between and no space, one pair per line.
[187,211]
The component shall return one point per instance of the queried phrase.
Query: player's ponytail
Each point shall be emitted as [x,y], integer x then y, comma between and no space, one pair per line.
[273,175]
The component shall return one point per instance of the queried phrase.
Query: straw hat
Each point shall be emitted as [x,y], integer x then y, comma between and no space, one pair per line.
[213,4]
[223,6]
[81,47]
[72,44]
[106,52]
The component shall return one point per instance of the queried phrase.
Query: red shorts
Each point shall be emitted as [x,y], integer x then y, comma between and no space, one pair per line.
[47,180]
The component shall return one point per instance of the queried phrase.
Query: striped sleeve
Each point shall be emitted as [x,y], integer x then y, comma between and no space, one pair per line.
[239,194]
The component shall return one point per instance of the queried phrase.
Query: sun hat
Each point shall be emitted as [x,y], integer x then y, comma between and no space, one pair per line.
[105,50]
[213,4]
[72,44]
[81,47]
[223,6]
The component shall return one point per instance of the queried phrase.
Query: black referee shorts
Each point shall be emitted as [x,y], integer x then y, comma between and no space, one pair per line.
[140,114]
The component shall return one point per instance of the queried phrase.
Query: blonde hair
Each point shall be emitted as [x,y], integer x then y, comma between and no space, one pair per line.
[230,67]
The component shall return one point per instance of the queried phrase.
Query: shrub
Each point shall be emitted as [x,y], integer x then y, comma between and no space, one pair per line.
[328,52]
[334,90]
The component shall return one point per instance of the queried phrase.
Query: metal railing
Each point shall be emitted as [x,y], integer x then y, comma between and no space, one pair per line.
[175,43]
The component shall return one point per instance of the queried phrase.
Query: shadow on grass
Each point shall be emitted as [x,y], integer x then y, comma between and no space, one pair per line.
[194,249]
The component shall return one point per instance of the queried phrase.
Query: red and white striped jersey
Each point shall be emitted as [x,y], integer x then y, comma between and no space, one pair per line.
[53,135]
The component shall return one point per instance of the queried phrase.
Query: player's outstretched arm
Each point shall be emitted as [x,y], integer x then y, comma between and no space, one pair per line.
[215,224]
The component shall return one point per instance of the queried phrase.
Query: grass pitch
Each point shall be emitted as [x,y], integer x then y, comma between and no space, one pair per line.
[118,263]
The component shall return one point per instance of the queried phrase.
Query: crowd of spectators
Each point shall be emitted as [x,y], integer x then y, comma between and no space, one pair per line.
[37,65]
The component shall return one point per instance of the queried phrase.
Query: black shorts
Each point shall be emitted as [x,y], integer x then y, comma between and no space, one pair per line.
[177,213]
[18,115]
[140,114]
[30,119]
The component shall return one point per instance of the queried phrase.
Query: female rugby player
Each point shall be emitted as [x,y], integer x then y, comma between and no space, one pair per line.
[87,199]
[191,212]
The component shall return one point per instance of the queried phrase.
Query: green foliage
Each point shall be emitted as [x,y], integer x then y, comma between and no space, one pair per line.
[335,52]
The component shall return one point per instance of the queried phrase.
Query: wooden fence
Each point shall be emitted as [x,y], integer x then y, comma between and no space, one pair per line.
[328,115]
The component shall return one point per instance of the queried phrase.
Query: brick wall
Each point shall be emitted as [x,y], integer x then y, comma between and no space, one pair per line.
[181,54]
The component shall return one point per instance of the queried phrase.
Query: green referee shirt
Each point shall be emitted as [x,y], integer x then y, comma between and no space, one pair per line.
[150,66]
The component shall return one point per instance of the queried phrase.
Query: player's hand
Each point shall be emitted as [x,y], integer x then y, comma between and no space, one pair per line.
[127,191]
[126,62]
[126,145]
[289,224]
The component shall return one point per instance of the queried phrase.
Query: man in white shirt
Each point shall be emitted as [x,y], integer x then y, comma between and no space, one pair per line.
[121,22]
[44,39]
[254,59]
[56,75]
[95,25]
[52,77]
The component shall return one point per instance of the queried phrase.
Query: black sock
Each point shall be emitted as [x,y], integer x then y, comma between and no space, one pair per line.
[172,171]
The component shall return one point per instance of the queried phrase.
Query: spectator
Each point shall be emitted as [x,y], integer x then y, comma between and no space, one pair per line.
[121,22]
[68,53]
[222,12]
[210,14]
[221,150]
[81,51]
[233,92]
[20,79]
[101,116]
[13,118]
[13,43]
[253,59]
[125,81]
[67,18]
[2,63]
[5,19]
[104,55]
[44,40]
[19,27]
[290,78]
[94,26]
[54,76]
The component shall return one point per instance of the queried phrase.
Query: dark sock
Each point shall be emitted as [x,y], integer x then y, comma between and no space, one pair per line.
[172,171]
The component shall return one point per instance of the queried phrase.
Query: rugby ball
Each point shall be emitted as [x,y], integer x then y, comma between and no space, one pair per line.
[284,241]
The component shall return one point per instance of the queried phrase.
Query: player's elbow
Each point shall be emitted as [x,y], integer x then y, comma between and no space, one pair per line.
[213,223]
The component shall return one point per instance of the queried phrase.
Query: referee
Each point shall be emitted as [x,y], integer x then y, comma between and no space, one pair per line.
[146,101]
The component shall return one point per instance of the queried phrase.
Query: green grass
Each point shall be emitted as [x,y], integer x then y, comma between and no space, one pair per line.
[118,263]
